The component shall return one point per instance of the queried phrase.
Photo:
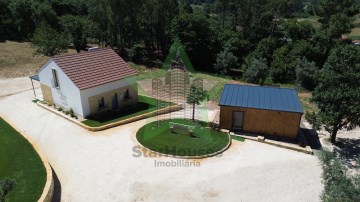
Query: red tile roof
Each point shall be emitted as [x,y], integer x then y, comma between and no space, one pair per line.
[94,68]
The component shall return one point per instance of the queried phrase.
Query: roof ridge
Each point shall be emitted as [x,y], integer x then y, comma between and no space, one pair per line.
[83,52]
[257,86]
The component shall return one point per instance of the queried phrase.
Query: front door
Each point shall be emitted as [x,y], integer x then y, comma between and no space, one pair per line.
[238,120]
[114,101]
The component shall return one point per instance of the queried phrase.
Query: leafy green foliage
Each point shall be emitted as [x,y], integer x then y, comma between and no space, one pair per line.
[338,93]
[48,41]
[283,66]
[306,74]
[76,28]
[339,186]
[194,32]
[6,186]
[225,61]
[196,95]
[294,30]
[257,71]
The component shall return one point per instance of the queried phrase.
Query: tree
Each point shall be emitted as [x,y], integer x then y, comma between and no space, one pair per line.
[306,74]
[257,71]
[283,65]
[338,93]
[194,32]
[6,186]
[294,30]
[76,28]
[196,95]
[48,41]
[225,61]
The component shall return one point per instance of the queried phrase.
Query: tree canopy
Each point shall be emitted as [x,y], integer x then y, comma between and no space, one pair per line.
[338,93]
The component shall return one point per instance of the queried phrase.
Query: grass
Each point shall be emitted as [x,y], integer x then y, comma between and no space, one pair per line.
[158,137]
[238,138]
[306,104]
[145,105]
[313,20]
[19,161]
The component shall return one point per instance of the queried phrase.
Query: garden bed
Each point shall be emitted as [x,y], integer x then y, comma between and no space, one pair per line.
[204,142]
[144,106]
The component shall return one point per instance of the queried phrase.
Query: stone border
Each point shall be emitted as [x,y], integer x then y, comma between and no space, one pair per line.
[189,157]
[48,191]
[115,124]
[261,139]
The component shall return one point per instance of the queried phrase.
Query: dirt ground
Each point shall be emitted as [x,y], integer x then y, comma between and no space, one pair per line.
[101,166]
[17,59]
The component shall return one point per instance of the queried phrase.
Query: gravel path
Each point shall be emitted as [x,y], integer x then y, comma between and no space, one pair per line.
[101,166]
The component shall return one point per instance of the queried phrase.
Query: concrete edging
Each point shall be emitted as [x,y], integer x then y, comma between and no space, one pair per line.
[190,157]
[48,190]
[306,150]
[115,124]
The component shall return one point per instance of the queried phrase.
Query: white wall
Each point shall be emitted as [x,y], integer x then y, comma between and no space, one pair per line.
[85,94]
[68,95]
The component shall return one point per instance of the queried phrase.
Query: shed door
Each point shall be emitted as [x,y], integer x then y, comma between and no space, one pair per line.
[238,120]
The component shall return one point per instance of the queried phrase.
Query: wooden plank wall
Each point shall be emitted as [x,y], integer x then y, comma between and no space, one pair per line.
[47,94]
[268,122]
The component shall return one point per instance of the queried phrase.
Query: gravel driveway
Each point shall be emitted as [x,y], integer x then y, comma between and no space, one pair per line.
[101,167]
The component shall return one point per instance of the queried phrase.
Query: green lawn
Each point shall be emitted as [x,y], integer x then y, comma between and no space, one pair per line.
[145,105]
[238,138]
[19,161]
[158,137]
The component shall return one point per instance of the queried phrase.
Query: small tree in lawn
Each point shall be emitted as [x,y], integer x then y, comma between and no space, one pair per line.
[338,93]
[196,95]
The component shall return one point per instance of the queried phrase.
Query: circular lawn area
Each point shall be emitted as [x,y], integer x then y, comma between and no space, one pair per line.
[180,141]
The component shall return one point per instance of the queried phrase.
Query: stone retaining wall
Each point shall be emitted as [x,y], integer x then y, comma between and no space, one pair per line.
[191,157]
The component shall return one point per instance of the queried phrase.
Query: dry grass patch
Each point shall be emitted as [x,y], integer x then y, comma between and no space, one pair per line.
[17,59]
[306,104]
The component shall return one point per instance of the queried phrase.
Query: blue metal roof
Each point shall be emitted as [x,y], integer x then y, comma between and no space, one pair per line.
[258,97]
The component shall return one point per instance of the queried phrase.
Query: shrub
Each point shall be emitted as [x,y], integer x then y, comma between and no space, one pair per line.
[72,113]
[225,61]
[60,109]
[6,186]
[66,112]
[339,186]
[257,71]
[306,74]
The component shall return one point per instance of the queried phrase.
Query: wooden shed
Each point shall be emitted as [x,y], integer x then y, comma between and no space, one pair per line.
[260,110]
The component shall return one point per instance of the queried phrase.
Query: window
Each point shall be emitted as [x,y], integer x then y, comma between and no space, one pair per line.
[126,94]
[101,103]
[55,78]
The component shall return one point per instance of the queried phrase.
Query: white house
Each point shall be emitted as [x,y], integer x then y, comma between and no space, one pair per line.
[89,82]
